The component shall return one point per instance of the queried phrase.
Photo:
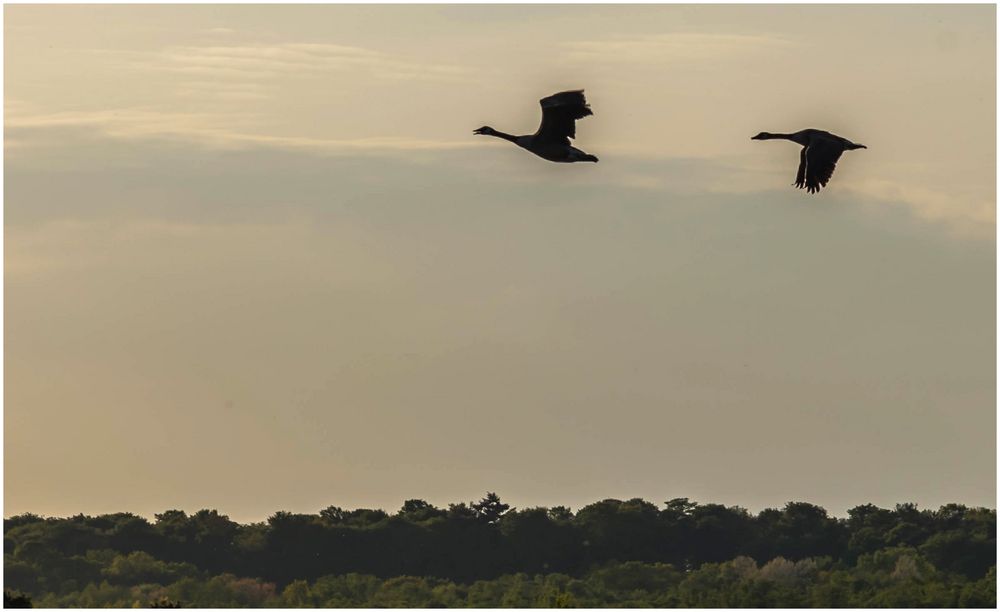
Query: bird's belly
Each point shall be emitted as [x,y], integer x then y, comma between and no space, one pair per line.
[556,153]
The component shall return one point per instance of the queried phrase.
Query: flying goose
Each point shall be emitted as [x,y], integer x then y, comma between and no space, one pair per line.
[559,114]
[820,152]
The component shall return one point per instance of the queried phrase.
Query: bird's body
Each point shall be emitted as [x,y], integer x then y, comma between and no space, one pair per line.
[820,152]
[559,114]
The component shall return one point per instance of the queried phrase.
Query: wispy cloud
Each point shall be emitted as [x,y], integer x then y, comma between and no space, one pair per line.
[675,46]
[206,130]
[965,214]
[256,70]
[223,90]
[261,61]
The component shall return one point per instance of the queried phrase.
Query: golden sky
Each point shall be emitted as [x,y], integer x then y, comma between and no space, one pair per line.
[256,260]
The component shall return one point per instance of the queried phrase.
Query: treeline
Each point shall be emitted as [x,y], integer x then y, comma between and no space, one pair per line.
[894,578]
[485,553]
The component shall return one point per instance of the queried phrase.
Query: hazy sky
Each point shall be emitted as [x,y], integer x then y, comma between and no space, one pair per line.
[255,259]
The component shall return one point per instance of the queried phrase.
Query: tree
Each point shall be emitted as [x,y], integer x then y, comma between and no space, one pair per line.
[490,508]
[610,553]
[365,517]
[621,530]
[460,511]
[174,524]
[560,514]
[718,533]
[140,567]
[419,510]
[15,599]
[539,544]
[165,602]
[413,505]
[799,531]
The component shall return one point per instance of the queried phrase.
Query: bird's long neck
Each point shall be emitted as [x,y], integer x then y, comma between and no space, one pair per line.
[770,136]
[801,137]
[499,134]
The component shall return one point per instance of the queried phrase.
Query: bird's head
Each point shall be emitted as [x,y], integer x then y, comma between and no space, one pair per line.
[485,130]
[761,136]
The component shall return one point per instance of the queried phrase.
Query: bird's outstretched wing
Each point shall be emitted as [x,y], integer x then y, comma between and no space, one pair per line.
[820,159]
[800,177]
[559,114]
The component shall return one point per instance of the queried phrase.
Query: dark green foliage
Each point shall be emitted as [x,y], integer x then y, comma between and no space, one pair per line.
[164,602]
[417,510]
[486,554]
[15,599]
[490,508]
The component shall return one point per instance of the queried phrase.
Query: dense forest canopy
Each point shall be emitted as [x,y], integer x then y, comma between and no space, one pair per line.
[611,552]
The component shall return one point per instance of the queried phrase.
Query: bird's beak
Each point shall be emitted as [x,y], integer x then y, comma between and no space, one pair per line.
[477,131]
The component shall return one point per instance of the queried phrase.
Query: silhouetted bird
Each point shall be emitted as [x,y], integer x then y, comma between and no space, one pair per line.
[820,152]
[559,114]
